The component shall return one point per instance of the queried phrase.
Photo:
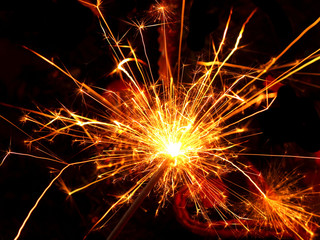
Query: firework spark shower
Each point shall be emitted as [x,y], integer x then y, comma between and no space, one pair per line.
[176,132]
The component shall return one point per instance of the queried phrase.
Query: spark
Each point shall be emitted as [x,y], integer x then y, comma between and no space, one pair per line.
[168,135]
[174,149]
[283,209]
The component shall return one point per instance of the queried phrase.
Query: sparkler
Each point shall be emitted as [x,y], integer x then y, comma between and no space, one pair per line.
[175,136]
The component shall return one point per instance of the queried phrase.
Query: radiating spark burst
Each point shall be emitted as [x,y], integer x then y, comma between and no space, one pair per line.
[186,134]
[284,208]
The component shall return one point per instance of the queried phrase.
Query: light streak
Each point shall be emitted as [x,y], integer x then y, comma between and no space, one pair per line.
[283,209]
[169,135]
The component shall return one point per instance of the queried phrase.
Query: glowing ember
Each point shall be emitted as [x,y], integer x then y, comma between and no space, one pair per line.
[174,149]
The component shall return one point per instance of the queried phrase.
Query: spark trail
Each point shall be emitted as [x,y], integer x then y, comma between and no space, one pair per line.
[192,132]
